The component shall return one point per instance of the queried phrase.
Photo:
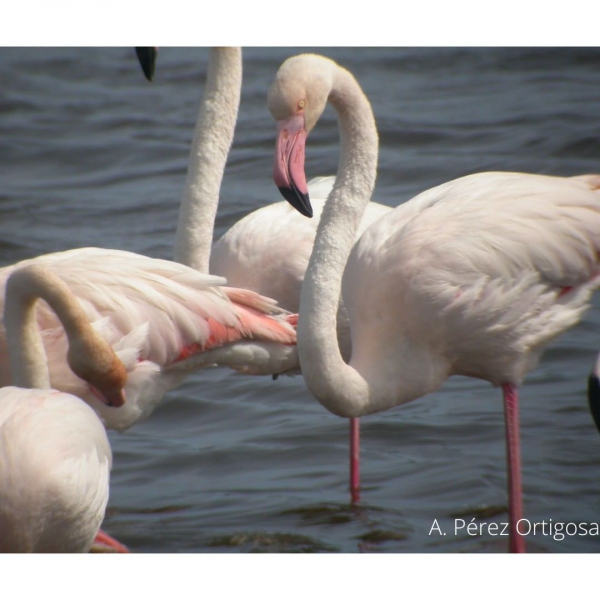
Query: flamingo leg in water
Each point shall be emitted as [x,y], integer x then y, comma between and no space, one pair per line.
[106,543]
[513,456]
[355,460]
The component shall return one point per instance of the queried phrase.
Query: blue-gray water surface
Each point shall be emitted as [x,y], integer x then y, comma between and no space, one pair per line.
[93,155]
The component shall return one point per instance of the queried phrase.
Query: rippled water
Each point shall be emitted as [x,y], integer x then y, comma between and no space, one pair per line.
[90,154]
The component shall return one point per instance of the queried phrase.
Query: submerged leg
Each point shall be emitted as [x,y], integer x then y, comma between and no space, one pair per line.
[513,456]
[355,460]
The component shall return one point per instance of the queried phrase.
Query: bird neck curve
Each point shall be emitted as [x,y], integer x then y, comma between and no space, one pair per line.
[212,140]
[338,386]
[28,360]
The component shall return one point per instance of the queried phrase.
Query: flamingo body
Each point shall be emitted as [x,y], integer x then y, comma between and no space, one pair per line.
[477,275]
[256,252]
[55,461]
[268,251]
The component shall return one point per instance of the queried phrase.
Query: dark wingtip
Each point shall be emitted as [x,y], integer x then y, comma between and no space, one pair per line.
[594,398]
[299,200]
[147,58]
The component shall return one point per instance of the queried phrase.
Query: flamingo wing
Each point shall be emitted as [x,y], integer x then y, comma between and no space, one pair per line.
[181,306]
[164,320]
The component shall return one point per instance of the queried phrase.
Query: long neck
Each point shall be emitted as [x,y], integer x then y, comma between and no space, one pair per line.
[29,366]
[213,136]
[338,386]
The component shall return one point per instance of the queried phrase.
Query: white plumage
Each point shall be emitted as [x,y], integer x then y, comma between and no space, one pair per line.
[268,251]
[163,320]
[481,269]
[55,461]
[55,457]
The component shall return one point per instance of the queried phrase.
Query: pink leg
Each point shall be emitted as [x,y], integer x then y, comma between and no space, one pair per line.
[513,456]
[106,541]
[355,460]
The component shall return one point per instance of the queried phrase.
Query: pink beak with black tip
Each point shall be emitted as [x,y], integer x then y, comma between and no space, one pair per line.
[288,169]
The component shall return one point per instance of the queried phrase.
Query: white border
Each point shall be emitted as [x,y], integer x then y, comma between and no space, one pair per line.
[301,22]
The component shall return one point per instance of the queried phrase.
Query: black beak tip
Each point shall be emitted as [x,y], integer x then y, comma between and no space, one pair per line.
[594,398]
[299,200]
[147,58]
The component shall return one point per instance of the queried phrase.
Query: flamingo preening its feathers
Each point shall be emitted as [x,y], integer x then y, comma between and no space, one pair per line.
[55,457]
[163,319]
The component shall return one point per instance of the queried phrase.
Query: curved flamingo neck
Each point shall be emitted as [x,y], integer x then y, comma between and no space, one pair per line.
[29,365]
[212,140]
[338,386]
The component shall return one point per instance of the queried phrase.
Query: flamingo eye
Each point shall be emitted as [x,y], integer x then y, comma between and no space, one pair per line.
[301,104]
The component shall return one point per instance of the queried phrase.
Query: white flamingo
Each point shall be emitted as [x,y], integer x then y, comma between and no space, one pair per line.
[268,250]
[55,458]
[164,319]
[473,277]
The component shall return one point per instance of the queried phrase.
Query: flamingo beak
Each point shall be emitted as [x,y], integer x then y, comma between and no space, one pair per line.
[116,399]
[109,396]
[594,394]
[147,58]
[288,168]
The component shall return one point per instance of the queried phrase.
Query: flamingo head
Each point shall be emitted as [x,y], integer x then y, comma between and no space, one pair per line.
[296,100]
[98,365]
[147,58]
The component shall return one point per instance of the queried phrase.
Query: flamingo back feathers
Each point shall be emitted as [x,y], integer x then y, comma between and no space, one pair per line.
[483,270]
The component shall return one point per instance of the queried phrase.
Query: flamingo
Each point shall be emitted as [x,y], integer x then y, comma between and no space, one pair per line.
[55,457]
[267,251]
[473,277]
[164,319]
